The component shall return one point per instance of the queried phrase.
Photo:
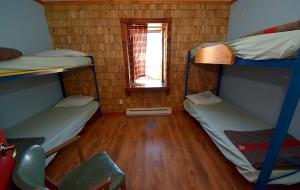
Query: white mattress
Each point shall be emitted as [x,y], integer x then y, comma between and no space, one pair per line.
[216,118]
[281,45]
[31,63]
[57,125]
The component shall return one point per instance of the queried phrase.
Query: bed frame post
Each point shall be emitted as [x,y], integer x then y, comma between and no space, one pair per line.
[95,80]
[187,74]
[219,80]
[62,85]
[282,126]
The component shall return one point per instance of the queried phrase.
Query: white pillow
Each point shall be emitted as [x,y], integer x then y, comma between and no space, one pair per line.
[204,98]
[74,101]
[61,53]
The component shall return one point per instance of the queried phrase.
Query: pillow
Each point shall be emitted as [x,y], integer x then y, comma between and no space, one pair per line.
[61,53]
[74,101]
[9,53]
[204,98]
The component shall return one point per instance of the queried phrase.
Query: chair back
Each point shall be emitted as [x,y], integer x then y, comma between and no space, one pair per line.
[29,172]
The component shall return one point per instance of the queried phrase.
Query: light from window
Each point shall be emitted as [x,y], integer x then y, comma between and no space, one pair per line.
[146,45]
[153,67]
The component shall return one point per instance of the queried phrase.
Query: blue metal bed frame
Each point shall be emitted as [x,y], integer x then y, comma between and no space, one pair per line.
[286,114]
[59,71]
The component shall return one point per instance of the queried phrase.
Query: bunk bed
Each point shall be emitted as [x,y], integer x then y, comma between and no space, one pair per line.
[219,117]
[56,124]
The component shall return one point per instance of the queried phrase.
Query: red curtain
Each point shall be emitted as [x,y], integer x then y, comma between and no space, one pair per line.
[137,44]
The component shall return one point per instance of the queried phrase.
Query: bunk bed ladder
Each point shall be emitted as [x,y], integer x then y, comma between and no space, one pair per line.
[282,126]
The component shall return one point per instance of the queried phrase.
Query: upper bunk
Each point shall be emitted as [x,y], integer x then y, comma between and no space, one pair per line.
[29,66]
[274,50]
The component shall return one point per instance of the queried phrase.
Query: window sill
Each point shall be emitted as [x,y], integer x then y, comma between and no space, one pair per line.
[133,87]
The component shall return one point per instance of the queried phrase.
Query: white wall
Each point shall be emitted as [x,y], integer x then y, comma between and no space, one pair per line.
[23,26]
[260,91]
[248,16]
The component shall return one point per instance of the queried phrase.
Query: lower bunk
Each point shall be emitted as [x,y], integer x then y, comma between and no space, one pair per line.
[218,118]
[56,125]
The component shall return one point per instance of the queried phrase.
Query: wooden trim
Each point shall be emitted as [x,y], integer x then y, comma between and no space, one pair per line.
[126,21]
[60,2]
[163,53]
[110,114]
[125,51]
[217,54]
[168,78]
[153,31]
[132,89]
[144,20]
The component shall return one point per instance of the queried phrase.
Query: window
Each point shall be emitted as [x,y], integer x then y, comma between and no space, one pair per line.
[146,45]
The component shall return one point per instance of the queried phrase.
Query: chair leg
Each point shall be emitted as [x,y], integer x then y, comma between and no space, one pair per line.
[123,186]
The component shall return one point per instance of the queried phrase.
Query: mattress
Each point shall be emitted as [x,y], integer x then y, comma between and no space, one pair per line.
[216,118]
[281,45]
[27,64]
[57,125]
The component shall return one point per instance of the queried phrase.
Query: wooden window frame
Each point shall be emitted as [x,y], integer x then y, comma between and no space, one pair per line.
[124,23]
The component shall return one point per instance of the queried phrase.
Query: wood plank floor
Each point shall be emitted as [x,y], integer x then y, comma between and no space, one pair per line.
[156,153]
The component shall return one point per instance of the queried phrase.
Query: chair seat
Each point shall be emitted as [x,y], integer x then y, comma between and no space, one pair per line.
[93,172]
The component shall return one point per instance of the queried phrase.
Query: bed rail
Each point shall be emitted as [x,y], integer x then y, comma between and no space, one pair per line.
[57,70]
[215,55]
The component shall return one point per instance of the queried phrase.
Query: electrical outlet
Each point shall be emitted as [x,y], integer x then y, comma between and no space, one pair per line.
[120,101]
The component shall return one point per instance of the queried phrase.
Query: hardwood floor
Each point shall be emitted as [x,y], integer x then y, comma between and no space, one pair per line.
[156,153]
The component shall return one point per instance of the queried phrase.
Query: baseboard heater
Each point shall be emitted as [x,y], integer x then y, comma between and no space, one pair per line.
[148,111]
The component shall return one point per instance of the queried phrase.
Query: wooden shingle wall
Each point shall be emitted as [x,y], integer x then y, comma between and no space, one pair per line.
[95,29]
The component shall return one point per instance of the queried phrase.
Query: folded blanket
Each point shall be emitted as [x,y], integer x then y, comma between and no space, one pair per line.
[281,28]
[254,145]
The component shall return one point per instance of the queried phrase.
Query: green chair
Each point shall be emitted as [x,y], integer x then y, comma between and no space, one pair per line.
[98,173]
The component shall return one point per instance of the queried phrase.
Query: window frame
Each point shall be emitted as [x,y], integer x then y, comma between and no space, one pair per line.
[127,21]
